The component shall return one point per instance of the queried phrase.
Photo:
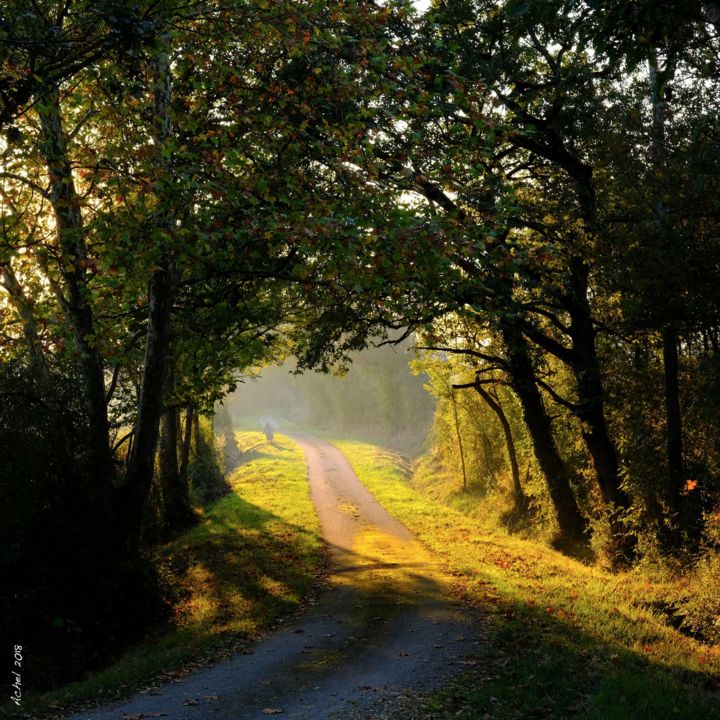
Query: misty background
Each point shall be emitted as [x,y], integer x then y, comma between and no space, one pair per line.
[379,399]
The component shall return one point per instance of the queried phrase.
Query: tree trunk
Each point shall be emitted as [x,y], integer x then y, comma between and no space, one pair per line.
[177,511]
[161,292]
[672,410]
[519,497]
[570,521]
[197,437]
[673,418]
[459,438]
[584,360]
[77,307]
[142,457]
[591,394]
[24,309]
[186,442]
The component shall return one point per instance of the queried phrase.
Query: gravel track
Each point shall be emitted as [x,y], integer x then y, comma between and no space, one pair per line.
[384,632]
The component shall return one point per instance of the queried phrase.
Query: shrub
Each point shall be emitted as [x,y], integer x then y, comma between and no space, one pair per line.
[62,595]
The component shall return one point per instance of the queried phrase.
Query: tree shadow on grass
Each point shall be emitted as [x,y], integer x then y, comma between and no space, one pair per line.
[542,665]
[235,456]
[259,452]
[540,662]
[244,569]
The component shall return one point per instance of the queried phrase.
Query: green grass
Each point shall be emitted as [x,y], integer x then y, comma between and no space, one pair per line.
[253,558]
[567,640]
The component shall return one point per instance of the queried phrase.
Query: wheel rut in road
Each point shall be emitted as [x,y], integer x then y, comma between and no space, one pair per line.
[384,631]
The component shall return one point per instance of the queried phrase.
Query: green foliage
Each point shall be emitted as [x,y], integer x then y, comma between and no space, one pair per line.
[192,191]
[699,610]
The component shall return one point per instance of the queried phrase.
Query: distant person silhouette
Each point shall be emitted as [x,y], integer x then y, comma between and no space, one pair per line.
[268,430]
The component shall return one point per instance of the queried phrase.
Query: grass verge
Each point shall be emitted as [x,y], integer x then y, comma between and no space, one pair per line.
[253,558]
[566,640]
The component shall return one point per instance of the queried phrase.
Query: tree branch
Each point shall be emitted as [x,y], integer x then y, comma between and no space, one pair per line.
[567,355]
[26,181]
[573,407]
[466,351]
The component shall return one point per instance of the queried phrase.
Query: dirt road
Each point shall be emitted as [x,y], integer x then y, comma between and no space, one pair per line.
[384,630]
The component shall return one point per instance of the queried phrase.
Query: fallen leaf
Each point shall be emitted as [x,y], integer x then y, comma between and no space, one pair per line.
[194,701]
[271,711]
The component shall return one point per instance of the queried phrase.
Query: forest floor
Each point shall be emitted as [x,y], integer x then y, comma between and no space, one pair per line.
[385,633]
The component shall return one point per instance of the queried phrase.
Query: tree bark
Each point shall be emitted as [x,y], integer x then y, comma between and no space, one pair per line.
[459,438]
[186,442]
[161,293]
[24,309]
[591,393]
[177,511]
[141,461]
[673,418]
[519,497]
[571,523]
[77,306]
[673,415]
[197,437]
[584,359]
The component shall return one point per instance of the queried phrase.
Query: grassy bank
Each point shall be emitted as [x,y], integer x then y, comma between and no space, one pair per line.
[567,640]
[252,558]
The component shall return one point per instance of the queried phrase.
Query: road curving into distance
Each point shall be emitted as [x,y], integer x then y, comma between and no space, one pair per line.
[384,631]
